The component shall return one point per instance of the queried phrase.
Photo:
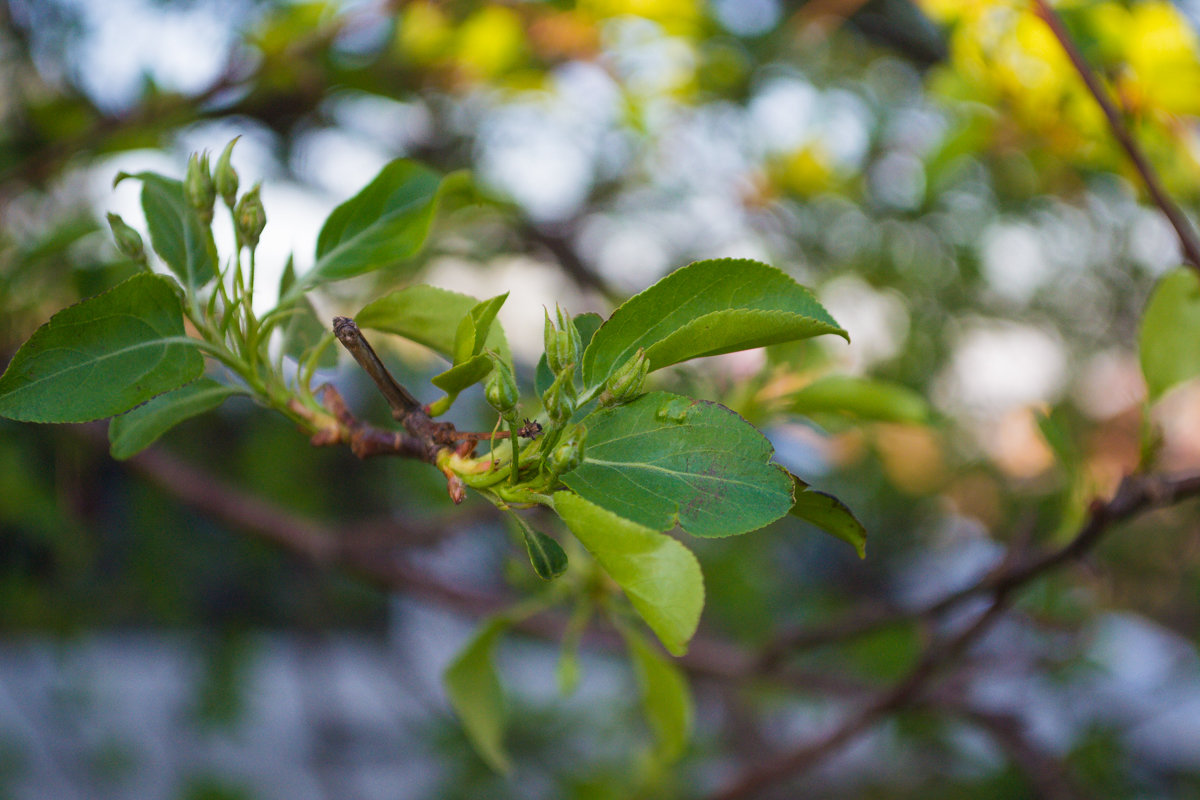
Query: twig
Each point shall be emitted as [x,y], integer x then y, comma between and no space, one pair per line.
[402,403]
[554,240]
[429,438]
[1183,228]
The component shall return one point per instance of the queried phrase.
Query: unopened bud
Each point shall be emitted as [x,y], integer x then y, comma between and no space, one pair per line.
[569,453]
[563,343]
[627,382]
[559,399]
[198,187]
[250,218]
[128,240]
[501,389]
[225,177]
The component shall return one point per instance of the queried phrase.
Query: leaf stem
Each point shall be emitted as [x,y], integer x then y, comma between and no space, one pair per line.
[516,456]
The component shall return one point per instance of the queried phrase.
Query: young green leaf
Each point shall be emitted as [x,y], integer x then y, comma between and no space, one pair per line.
[861,398]
[474,691]
[429,316]
[659,575]
[380,226]
[473,328]
[136,430]
[471,364]
[664,459]
[102,356]
[705,309]
[546,555]
[460,376]
[1170,330]
[666,699]
[587,325]
[175,229]
[830,515]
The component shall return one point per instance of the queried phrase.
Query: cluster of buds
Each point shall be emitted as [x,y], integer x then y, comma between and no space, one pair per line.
[563,344]
[627,382]
[202,185]
[563,349]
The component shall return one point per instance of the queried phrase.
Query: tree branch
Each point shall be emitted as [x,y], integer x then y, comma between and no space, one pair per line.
[1136,494]
[809,754]
[1183,228]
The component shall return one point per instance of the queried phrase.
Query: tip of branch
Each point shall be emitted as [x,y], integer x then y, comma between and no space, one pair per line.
[344,327]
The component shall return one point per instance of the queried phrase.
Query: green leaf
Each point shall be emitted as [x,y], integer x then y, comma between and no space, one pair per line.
[460,376]
[176,233]
[136,430]
[546,555]
[705,309]
[384,224]
[429,316]
[862,398]
[664,459]
[473,329]
[659,575]
[1170,330]
[474,691]
[666,698]
[587,325]
[102,356]
[830,515]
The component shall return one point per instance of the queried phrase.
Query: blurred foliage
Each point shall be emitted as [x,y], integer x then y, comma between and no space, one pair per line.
[936,169]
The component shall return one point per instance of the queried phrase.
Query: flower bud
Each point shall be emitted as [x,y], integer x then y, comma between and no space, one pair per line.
[128,240]
[627,382]
[198,187]
[569,453]
[501,389]
[559,399]
[225,177]
[563,343]
[250,218]
[567,324]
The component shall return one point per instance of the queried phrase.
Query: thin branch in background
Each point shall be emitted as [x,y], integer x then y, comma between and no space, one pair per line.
[1183,228]
[708,657]
[370,550]
[1136,494]
[800,759]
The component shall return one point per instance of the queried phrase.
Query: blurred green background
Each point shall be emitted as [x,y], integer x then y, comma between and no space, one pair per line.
[935,171]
